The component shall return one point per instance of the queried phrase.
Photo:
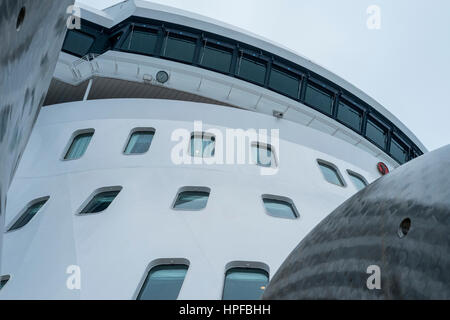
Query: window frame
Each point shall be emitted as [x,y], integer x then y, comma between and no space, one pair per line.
[157,263]
[93,195]
[183,35]
[396,137]
[267,146]
[355,107]
[359,176]
[244,265]
[191,189]
[197,134]
[219,45]
[336,169]
[143,28]
[132,132]
[281,68]
[297,215]
[71,141]
[22,212]
[378,123]
[255,57]
[319,85]
[94,39]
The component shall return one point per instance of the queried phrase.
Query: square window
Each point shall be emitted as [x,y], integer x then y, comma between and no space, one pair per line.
[319,99]
[399,151]
[101,200]
[141,41]
[331,174]
[376,133]
[180,48]
[284,82]
[245,284]
[32,209]
[280,207]
[252,69]
[263,155]
[78,43]
[358,180]
[202,145]
[349,115]
[192,199]
[216,58]
[163,282]
[79,145]
[139,142]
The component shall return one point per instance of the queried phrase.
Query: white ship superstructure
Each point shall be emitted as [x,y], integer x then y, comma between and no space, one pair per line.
[101,208]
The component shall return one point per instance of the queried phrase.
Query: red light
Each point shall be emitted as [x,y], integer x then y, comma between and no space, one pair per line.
[382,168]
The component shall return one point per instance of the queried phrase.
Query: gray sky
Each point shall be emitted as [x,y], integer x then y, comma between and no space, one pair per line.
[405,65]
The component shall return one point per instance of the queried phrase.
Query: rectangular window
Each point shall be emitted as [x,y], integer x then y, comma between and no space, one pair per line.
[263,155]
[180,48]
[192,199]
[101,200]
[285,82]
[141,41]
[245,284]
[163,282]
[349,115]
[376,133]
[331,174]
[216,58]
[319,99]
[399,151]
[78,43]
[29,213]
[358,180]
[280,207]
[139,142]
[252,69]
[202,145]
[79,145]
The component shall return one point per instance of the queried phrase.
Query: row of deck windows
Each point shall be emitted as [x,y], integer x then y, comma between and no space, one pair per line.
[252,65]
[164,282]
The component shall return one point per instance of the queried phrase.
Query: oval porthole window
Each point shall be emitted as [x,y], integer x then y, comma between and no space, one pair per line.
[404,227]
[20,18]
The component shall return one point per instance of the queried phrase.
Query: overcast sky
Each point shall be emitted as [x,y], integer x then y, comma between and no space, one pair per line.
[404,65]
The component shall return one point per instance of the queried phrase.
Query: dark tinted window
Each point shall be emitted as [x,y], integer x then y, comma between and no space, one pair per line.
[163,283]
[252,70]
[398,151]
[141,41]
[180,48]
[216,58]
[284,82]
[77,43]
[3,281]
[100,202]
[376,133]
[245,284]
[319,98]
[349,115]
[29,213]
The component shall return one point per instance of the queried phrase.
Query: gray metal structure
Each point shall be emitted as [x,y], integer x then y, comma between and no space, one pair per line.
[31,36]
[400,223]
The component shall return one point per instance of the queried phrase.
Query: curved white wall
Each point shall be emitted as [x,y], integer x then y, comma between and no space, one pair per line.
[114,248]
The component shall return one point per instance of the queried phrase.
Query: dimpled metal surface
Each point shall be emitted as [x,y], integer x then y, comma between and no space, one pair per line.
[332,261]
